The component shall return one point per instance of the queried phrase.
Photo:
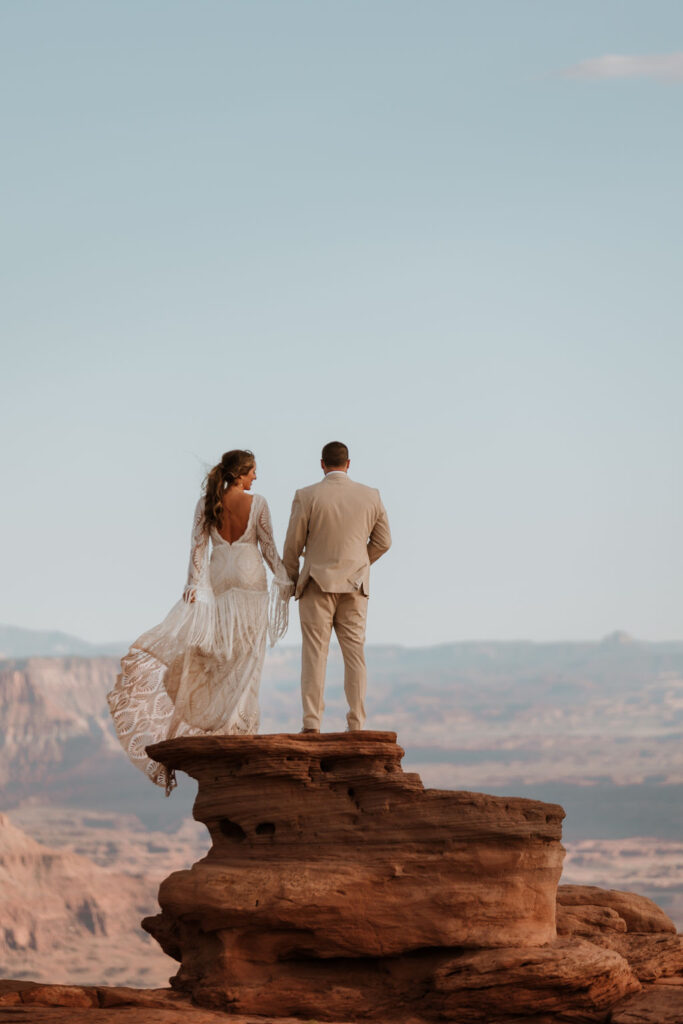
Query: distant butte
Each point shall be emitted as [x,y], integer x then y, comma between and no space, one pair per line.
[618,639]
[338,889]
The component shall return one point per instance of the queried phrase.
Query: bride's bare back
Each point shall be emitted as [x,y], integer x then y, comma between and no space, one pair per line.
[236,510]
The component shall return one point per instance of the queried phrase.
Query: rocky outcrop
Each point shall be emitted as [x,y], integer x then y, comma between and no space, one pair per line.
[54,719]
[520,984]
[638,913]
[333,823]
[61,916]
[338,888]
[630,925]
[24,1001]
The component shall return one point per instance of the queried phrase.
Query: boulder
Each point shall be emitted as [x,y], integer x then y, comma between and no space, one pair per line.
[588,920]
[651,956]
[639,913]
[492,986]
[631,925]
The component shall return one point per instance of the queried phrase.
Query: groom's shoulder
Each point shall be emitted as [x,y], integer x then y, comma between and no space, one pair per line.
[361,491]
[365,493]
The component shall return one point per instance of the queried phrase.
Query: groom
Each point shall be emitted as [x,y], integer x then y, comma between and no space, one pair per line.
[341,527]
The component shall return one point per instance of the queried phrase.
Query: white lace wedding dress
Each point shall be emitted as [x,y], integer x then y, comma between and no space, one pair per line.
[199,671]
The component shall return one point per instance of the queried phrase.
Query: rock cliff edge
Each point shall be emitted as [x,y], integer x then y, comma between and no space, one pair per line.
[338,888]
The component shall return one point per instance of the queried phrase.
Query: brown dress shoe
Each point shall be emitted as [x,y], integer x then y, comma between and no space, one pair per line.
[311,730]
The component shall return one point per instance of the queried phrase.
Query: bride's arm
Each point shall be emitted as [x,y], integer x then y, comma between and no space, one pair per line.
[199,555]
[282,587]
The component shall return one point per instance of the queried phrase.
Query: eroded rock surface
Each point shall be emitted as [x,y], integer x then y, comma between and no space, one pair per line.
[652,954]
[639,913]
[338,888]
[656,1004]
[63,916]
[24,1002]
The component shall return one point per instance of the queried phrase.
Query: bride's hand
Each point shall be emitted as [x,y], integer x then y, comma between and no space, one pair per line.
[189,596]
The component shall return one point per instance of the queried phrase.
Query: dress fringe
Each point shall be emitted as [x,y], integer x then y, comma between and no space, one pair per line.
[278,609]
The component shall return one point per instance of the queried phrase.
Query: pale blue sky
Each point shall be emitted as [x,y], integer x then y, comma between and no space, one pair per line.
[407,225]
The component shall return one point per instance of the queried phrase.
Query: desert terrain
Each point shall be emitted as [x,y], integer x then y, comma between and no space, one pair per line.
[85,839]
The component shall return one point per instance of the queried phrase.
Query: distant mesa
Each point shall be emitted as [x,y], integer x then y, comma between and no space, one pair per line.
[618,639]
[16,642]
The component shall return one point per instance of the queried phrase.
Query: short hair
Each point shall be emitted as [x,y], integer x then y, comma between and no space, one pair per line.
[335,454]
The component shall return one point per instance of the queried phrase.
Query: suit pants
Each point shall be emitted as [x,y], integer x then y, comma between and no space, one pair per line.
[319,613]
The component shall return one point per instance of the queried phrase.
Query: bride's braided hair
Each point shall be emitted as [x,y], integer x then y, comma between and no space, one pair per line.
[232,465]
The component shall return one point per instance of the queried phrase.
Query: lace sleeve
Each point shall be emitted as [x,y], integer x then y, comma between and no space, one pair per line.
[198,569]
[282,587]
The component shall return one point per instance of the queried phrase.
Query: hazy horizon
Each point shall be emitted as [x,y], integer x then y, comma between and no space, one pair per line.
[110,648]
[447,234]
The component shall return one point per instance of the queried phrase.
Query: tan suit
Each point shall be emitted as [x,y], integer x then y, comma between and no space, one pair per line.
[341,527]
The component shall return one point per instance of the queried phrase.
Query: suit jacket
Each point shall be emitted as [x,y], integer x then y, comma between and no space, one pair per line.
[341,527]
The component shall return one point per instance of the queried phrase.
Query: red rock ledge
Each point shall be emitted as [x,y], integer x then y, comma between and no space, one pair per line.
[25,1002]
[338,888]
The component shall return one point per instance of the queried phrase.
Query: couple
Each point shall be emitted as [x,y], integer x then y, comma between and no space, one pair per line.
[198,673]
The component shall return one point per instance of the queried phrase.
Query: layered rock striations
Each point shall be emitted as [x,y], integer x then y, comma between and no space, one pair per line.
[61,916]
[55,724]
[338,888]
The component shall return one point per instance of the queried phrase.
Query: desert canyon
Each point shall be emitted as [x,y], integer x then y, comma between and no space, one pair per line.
[85,842]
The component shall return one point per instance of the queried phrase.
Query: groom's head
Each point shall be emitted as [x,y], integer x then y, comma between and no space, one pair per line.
[335,456]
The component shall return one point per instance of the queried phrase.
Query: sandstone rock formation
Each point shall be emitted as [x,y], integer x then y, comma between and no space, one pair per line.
[638,913]
[631,925]
[57,743]
[61,916]
[56,749]
[118,842]
[653,867]
[23,1002]
[318,843]
[338,888]
[54,718]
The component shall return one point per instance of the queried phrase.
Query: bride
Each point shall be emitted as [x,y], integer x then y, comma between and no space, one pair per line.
[198,672]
